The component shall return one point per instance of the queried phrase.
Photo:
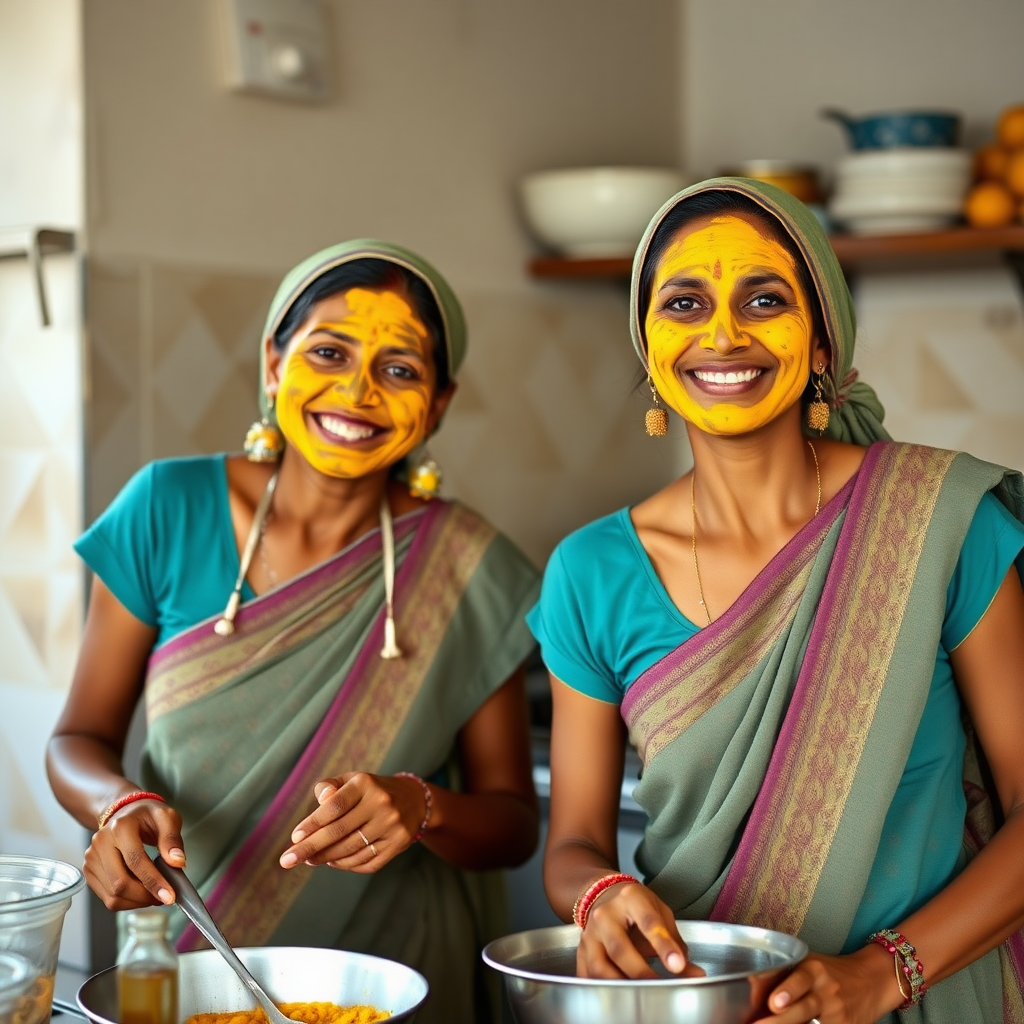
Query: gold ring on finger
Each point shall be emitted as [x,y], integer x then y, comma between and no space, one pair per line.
[361,836]
[373,849]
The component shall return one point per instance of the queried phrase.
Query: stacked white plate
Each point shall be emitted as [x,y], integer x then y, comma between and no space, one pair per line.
[890,191]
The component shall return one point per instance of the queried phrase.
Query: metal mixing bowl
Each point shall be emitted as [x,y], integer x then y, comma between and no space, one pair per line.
[288,973]
[743,965]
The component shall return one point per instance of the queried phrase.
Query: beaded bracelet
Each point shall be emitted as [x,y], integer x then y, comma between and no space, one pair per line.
[907,963]
[124,801]
[581,908]
[428,799]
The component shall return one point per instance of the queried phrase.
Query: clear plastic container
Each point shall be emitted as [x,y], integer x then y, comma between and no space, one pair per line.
[35,894]
[147,970]
[17,976]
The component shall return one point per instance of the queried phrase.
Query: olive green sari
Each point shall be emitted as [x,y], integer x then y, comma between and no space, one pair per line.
[774,739]
[241,727]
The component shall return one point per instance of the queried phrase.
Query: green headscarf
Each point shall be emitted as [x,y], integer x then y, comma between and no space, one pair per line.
[299,278]
[856,413]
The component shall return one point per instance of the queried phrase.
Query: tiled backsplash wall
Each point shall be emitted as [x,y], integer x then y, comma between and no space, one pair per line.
[945,352]
[173,365]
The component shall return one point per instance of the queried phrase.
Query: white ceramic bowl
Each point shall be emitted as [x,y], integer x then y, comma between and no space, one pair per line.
[888,163]
[937,188]
[897,223]
[842,207]
[596,212]
[882,214]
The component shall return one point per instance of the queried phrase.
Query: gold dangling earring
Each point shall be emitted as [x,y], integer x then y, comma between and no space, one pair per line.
[425,476]
[817,410]
[656,419]
[263,442]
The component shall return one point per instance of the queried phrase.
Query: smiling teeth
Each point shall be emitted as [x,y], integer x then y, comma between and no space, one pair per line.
[346,431]
[727,378]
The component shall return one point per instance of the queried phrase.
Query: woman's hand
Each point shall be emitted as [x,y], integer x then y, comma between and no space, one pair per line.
[859,988]
[363,822]
[627,925]
[117,867]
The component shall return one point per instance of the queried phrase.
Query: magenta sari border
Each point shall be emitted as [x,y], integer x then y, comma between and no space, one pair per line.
[711,636]
[271,601]
[284,796]
[1015,951]
[747,849]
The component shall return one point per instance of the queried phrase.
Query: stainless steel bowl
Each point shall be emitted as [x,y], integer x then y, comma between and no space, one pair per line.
[288,973]
[743,965]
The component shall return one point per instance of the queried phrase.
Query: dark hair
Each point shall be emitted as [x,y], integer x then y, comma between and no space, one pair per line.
[706,204]
[378,275]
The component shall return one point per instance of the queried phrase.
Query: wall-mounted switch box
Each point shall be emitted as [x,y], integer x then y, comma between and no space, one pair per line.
[276,48]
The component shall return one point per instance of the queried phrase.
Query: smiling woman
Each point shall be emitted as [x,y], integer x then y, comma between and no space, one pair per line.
[813,638]
[359,335]
[733,293]
[343,748]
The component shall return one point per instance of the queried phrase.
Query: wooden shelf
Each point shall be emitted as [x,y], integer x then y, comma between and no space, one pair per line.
[858,249]
[852,250]
[563,267]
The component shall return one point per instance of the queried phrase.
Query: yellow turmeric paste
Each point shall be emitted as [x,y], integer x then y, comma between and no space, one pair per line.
[308,1013]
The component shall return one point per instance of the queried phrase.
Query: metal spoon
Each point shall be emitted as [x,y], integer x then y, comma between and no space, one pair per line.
[195,909]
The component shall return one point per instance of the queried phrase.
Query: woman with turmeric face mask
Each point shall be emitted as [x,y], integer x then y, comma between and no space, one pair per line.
[813,639]
[331,663]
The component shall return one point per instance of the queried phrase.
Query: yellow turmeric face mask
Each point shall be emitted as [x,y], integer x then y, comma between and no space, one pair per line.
[729,327]
[357,383]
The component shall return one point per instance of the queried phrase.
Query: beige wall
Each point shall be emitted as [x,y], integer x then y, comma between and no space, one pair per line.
[40,114]
[438,109]
[757,72]
[41,580]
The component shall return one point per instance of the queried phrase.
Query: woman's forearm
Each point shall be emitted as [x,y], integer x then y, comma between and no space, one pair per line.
[570,868]
[985,902]
[972,915]
[977,911]
[86,776]
[83,758]
[588,746]
[479,831]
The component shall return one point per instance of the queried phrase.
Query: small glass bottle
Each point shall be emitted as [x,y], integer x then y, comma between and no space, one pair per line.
[147,970]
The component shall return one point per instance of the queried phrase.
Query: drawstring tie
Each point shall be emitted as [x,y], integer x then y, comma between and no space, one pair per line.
[225,625]
[387,540]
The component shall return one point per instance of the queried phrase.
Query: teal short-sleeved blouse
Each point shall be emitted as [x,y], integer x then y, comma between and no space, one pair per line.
[604,618]
[165,547]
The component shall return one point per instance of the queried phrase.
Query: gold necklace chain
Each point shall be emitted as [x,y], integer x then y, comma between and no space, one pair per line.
[693,523]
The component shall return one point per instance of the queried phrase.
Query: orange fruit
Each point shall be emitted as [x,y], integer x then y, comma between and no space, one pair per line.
[1010,127]
[1014,173]
[990,162]
[990,205]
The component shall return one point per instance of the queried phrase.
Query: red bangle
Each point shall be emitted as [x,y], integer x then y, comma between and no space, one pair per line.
[907,963]
[428,799]
[581,909]
[124,801]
